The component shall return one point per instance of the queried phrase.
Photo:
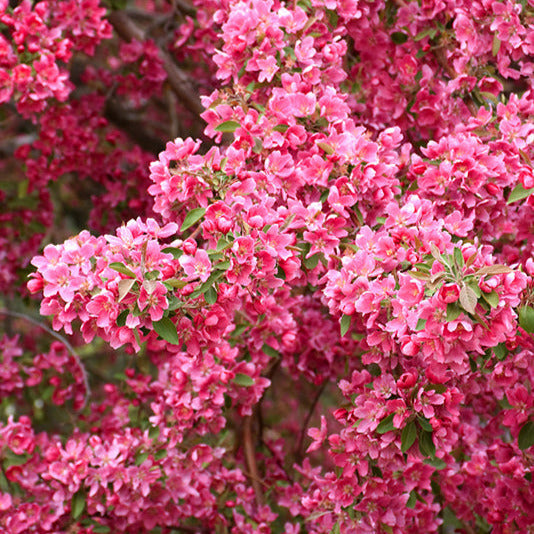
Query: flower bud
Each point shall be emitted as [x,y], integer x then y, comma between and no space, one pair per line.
[407,380]
[449,293]
[190,246]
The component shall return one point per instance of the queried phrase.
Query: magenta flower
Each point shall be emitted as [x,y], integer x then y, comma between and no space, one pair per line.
[197,266]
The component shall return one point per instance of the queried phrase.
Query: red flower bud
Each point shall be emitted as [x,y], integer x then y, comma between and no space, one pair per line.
[407,380]
[190,246]
[492,188]
[449,293]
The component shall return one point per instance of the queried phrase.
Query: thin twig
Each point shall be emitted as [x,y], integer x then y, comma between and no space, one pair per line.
[299,452]
[250,458]
[62,340]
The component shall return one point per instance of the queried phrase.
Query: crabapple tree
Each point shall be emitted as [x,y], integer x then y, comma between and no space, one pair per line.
[267,266]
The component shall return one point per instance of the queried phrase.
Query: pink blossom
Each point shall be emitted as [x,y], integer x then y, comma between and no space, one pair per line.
[197,266]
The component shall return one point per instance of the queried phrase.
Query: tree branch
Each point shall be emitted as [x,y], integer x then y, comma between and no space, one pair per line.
[62,340]
[133,128]
[299,453]
[441,58]
[250,458]
[179,81]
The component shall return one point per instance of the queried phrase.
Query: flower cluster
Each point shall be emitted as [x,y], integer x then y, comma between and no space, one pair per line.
[312,311]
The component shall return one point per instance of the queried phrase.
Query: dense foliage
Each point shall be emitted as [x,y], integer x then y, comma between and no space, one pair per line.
[309,312]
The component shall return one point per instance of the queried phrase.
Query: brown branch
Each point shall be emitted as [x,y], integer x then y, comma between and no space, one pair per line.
[8,147]
[439,54]
[62,340]
[299,452]
[179,81]
[184,7]
[174,126]
[132,127]
[250,459]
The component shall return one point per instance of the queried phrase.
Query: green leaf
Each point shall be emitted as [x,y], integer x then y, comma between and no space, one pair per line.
[77,505]
[329,149]
[386,425]
[215,256]
[421,323]
[526,318]
[496,45]
[4,484]
[419,275]
[124,287]
[212,278]
[525,440]
[494,269]
[227,126]
[222,265]
[243,380]
[491,298]
[438,388]
[434,250]
[453,311]
[333,18]
[458,258]
[174,303]
[161,454]
[399,37]
[424,424]
[140,458]
[450,520]
[239,330]
[15,459]
[311,262]
[280,273]
[429,32]
[166,329]
[408,435]
[476,290]
[500,351]
[192,217]
[290,52]
[437,463]
[121,268]
[223,244]
[281,128]
[344,324]
[175,283]
[267,349]
[468,299]
[176,252]
[153,433]
[210,296]
[101,529]
[121,319]
[258,146]
[518,193]
[426,444]
[410,503]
